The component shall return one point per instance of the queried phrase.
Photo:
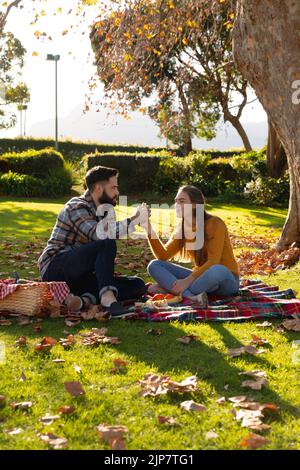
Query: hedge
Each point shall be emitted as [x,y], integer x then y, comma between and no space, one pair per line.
[35,174]
[74,151]
[137,171]
[32,162]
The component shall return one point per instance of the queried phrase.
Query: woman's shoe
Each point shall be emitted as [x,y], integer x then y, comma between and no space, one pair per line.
[202,299]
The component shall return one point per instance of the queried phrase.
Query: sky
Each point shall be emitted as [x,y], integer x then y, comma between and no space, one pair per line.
[75,68]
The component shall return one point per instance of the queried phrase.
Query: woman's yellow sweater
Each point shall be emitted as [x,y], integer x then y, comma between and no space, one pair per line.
[217,248]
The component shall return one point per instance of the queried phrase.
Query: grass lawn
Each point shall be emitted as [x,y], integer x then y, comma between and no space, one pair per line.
[113,398]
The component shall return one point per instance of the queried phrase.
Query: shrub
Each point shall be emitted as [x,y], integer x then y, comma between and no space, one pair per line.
[265,190]
[32,162]
[58,183]
[137,171]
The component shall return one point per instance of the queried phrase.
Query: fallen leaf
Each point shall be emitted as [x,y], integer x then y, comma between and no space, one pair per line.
[154,385]
[58,361]
[254,373]
[21,341]
[255,384]
[54,441]
[187,339]
[23,377]
[265,324]
[46,344]
[5,322]
[74,388]
[257,340]
[244,350]
[113,435]
[66,343]
[98,336]
[254,441]
[167,420]
[78,369]
[221,400]
[239,399]
[190,405]
[292,325]
[22,405]
[66,409]
[15,431]
[49,419]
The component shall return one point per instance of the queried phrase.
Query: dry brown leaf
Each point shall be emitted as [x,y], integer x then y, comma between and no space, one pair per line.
[169,420]
[15,431]
[221,400]
[22,405]
[292,325]
[244,350]
[255,373]
[113,435]
[255,384]
[98,336]
[154,385]
[37,327]
[74,388]
[23,377]
[66,343]
[190,405]
[71,323]
[54,441]
[259,341]
[187,339]
[46,344]
[21,341]
[49,419]
[66,409]
[254,441]
[23,320]
[265,324]
[239,399]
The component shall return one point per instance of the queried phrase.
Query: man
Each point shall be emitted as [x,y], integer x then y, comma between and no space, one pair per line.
[82,248]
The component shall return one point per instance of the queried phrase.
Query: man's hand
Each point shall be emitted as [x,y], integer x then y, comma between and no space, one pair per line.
[143,214]
[181,285]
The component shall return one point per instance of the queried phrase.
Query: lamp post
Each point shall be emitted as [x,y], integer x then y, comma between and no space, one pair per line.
[55,58]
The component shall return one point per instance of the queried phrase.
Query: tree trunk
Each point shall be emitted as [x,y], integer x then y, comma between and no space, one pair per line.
[266,44]
[276,156]
[187,145]
[235,122]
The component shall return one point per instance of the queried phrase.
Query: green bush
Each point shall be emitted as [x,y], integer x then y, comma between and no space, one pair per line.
[265,190]
[58,183]
[137,171]
[37,163]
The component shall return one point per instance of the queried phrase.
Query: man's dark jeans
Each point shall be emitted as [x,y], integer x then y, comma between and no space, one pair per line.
[90,268]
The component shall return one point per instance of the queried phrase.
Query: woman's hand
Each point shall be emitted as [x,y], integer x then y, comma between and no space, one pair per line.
[181,285]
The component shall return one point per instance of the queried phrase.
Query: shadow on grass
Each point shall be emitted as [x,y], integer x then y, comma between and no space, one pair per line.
[163,354]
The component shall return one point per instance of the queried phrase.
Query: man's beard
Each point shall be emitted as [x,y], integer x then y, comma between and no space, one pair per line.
[105,199]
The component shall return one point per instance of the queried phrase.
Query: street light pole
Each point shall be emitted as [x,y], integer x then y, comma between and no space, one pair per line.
[55,58]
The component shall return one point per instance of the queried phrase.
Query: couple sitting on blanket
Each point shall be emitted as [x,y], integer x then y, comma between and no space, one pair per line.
[82,250]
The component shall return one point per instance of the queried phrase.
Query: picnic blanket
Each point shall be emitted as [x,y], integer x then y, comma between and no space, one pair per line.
[254,300]
[59,290]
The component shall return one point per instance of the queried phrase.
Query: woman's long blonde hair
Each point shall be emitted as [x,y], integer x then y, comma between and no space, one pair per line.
[198,256]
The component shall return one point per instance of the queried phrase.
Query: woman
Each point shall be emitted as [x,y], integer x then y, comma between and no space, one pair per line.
[215,268]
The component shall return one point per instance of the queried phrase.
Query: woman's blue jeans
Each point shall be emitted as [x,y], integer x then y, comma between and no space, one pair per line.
[217,279]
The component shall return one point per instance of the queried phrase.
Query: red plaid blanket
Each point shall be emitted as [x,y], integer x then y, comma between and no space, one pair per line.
[254,300]
[59,290]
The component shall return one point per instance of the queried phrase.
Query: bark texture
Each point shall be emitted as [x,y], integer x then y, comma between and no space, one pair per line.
[266,47]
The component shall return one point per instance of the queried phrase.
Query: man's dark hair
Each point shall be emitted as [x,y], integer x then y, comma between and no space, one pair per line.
[99,174]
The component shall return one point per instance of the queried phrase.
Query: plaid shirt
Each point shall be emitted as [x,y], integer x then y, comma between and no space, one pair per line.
[78,224]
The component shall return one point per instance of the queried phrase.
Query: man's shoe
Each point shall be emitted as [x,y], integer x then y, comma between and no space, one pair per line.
[117,310]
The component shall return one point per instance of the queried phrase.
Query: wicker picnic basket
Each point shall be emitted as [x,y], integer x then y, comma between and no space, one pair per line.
[28,299]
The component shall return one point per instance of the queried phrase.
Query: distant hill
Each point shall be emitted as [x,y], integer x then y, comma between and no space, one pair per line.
[139,130]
